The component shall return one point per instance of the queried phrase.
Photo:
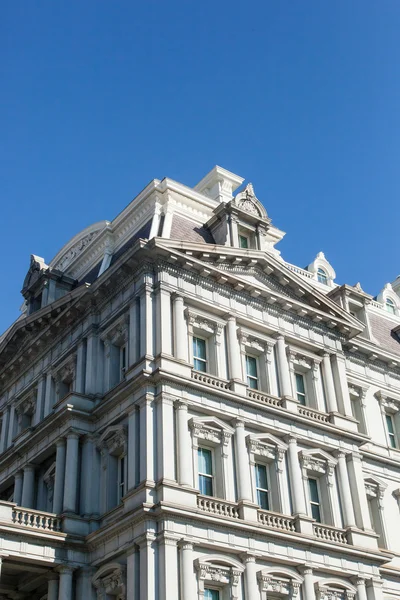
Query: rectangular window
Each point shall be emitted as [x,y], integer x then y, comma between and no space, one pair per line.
[211,594]
[300,388]
[205,471]
[199,354]
[262,486]
[251,370]
[314,500]
[243,241]
[121,478]
[391,431]
[122,360]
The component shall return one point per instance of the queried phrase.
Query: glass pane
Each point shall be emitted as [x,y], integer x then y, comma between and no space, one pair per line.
[389,423]
[252,383]
[262,499]
[206,485]
[205,461]
[302,399]
[211,594]
[251,365]
[243,241]
[312,483]
[261,477]
[300,383]
[199,365]
[199,348]
[315,512]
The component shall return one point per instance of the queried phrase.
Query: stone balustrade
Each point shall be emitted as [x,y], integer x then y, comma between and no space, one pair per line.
[36,519]
[275,520]
[264,398]
[311,413]
[330,534]
[222,508]
[210,380]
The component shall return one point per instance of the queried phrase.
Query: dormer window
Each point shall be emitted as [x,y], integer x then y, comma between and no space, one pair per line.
[390,306]
[243,241]
[322,276]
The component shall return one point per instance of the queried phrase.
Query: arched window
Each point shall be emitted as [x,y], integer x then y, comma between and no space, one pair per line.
[390,306]
[322,276]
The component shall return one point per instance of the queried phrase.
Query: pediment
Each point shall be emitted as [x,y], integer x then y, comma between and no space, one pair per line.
[261,274]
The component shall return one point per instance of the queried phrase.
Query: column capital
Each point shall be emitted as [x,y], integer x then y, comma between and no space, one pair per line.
[176,297]
[52,576]
[306,570]
[61,442]
[246,557]
[18,475]
[239,423]
[65,569]
[291,438]
[29,467]
[279,336]
[358,580]
[181,404]
[73,435]
[185,544]
[340,454]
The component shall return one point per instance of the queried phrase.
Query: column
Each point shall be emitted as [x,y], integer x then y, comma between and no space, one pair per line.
[39,401]
[147,569]
[308,584]
[28,486]
[375,589]
[344,490]
[18,487]
[52,586]
[250,577]
[65,586]
[328,383]
[235,371]
[340,383]
[296,482]
[188,578]
[4,430]
[168,572]
[94,369]
[272,387]
[133,448]
[180,330]
[49,395]
[146,468]
[163,321]
[165,439]
[84,587]
[71,472]
[184,450]
[134,331]
[11,425]
[89,477]
[359,496]
[283,368]
[59,476]
[242,462]
[361,589]
[146,321]
[80,368]
[132,573]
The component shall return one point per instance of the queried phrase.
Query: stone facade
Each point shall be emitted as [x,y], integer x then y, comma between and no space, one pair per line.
[185,415]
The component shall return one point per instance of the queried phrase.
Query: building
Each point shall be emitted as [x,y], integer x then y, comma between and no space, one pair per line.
[186,416]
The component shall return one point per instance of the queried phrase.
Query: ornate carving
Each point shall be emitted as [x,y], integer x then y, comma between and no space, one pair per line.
[74,251]
[248,202]
[36,268]
[112,584]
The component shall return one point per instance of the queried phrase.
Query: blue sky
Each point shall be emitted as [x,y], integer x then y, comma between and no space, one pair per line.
[300,97]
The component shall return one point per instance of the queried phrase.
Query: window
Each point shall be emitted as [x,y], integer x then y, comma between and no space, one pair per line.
[199,354]
[300,388]
[121,477]
[322,276]
[243,241]
[205,471]
[314,499]
[391,431]
[390,306]
[122,360]
[211,594]
[251,371]
[262,487]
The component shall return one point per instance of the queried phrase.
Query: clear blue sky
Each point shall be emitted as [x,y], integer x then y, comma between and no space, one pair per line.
[300,97]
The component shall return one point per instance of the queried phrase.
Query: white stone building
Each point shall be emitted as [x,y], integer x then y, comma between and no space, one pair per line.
[187,416]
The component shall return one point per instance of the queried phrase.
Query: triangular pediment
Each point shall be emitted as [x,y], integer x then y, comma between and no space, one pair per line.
[261,274]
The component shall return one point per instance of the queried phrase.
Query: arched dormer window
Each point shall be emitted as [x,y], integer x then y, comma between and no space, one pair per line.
[322,276]
[390,306]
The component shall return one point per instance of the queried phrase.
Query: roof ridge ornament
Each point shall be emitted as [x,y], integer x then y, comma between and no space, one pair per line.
[248,201]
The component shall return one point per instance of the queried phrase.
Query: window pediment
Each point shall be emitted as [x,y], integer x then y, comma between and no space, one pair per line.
[374,487]
[220,571]
[317,461]
[266,445]
[211,429]
[110,581]
[281,584]
[388,402]
[202,323]
[114,439]
[117,333]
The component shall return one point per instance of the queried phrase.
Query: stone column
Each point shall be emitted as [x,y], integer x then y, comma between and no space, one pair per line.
[163,321]
[147,569]
[28,486]
[188,578]
[52,586]
[134,331]
[18,487]
[11,425]
[71,472]
[165,439]
[340,383]
[65,587]
[89,476]
[308,584]
[84,587]
[59,476]
[180,330]
[4,430]
[49,394]
[344,490]
[80,368]
[184,450]
[39,401]
[361,589]
[358,494]
[132,573]
[328,383]
[250,577]
[283,368]
[146,322]
[94,369]
[168,572]
[242,463]
[296,481]
[375,589]
[235,371]
[146,468]
[133,448]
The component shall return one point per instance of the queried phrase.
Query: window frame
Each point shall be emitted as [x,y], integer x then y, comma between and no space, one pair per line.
[252,378]
[304,394]
[312,502]
[392,304]
[199,359]
[212,589]
[261,490]
[391,435]
[207,476]
[322,276]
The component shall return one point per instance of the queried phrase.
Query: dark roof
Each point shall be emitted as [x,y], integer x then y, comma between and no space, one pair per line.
[382,331]
[183,229]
